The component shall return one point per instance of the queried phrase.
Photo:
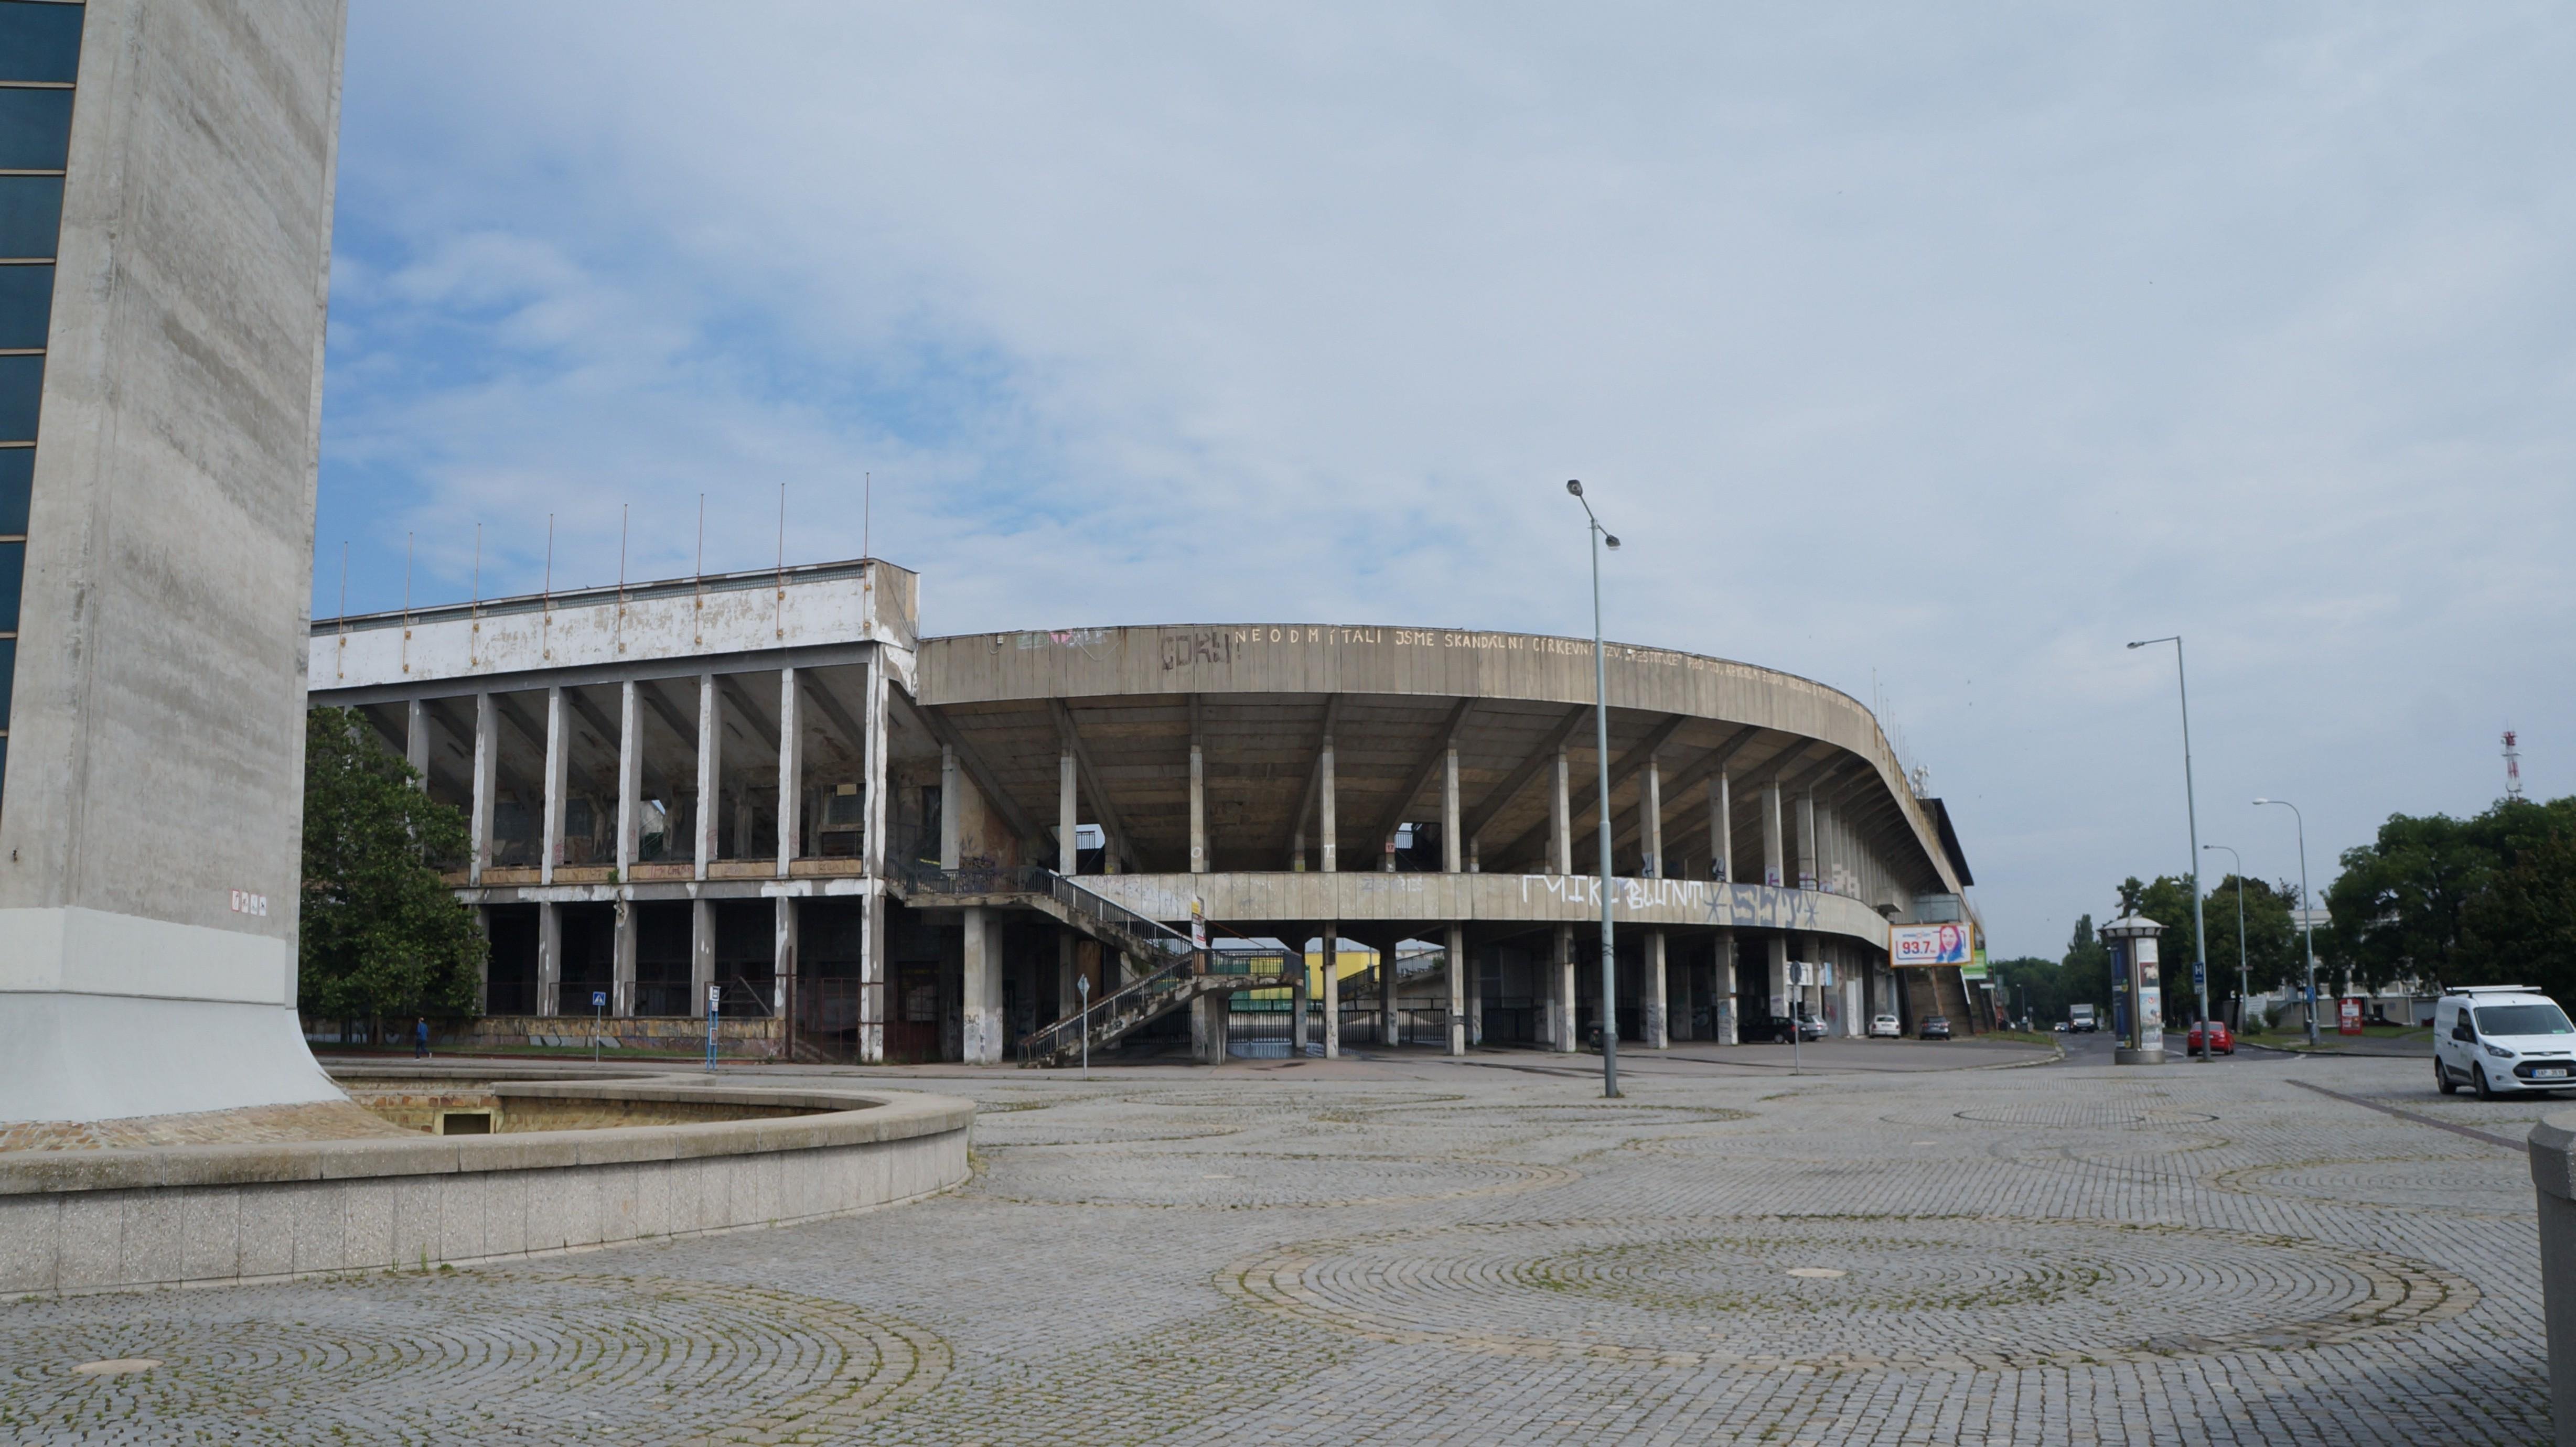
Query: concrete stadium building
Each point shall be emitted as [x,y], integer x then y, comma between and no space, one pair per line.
[875,845]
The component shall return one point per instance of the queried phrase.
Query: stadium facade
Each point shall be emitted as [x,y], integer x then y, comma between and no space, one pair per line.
[769,790]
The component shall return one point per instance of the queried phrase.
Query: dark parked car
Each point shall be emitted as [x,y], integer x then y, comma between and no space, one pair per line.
[1935,1027]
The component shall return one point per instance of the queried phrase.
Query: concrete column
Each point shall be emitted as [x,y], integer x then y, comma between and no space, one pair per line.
[549,957]
[791,772]
[1721,984]
[1068,996]
[416,740]
[1476,855]
[483,972]
[1475,1002]
[1389,1029]
[630,777]
[702,953]
[1773,864]
[1198,811]
[621,990]
[1780,998]
[1208,1019]
[1331,946]
[1330,821]
[872,942]
[1560,823]
[1456,994]
[949,807]
[1650,820]
[1807,839]
[782,957]
[1068,823]
[558,758]
[710,769]
[1658,1026]
[487,765]
[1300,994]
[1449,841]
[983,990]
[1566,1041]
[1721,828]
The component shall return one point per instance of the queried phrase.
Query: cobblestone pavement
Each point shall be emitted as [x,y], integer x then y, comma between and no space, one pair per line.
[1419,1250]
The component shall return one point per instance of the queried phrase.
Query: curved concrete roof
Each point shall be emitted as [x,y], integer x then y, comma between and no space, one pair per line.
[1261,698]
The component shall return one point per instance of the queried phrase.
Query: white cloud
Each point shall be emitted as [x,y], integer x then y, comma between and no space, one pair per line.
[1958,346]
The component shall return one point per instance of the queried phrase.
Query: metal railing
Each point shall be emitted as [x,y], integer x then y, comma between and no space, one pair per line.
[1150,937]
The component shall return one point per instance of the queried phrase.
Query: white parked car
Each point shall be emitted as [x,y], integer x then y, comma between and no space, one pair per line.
[1885,1025]
[2500,1039]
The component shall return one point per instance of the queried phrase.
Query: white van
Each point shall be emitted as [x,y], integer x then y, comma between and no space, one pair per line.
[2499,1039]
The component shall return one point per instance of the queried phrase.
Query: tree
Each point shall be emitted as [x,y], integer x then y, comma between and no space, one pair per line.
[2521,929]
[380,932]
[2085,973]
[2396,907]
[2271,954]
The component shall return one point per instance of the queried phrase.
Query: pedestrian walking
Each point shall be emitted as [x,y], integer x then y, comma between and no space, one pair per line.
[420,1039]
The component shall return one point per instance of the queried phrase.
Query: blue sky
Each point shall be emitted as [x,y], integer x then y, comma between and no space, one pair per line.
[1930,354]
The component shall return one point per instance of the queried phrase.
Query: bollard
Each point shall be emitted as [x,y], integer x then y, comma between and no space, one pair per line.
[2553,1172]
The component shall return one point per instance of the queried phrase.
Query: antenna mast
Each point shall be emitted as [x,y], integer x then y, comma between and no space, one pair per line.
[2512,767]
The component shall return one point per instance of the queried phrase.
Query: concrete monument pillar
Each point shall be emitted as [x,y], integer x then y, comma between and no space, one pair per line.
[151,810]
[982,1001]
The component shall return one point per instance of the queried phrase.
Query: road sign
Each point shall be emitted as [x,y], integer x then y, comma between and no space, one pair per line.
[2199,978]
[599,999]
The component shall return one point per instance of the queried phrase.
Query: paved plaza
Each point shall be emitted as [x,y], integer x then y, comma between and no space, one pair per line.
[1902,1243]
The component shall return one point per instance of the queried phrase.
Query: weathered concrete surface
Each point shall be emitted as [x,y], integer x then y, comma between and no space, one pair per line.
[149,843]
[827,605]
[2553,1176]
[1175,661]
[1430,899]
[75,1221]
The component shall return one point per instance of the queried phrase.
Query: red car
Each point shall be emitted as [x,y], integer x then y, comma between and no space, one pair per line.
[2221,1039]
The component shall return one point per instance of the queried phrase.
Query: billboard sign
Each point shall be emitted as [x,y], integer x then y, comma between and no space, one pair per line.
[1928,944]
[1975,969]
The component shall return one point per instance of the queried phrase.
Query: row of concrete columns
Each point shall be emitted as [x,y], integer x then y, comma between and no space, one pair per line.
[630,766]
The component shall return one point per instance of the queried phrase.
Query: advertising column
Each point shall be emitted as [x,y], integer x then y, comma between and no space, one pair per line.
[2140,994]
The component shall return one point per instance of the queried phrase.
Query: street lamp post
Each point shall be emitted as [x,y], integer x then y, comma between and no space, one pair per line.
[2242,990]
[1601,753]
[2307,913]
[2191,811]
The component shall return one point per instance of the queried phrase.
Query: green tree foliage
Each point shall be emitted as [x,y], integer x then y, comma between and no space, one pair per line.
[381,935]
[2046,987]
[2397,905]
[2086,967]
[2271,955]
[2521,929]
[2484,900]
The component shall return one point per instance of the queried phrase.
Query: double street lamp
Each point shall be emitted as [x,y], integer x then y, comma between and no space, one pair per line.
[2191,810]
[1609,1011]
[2307,912]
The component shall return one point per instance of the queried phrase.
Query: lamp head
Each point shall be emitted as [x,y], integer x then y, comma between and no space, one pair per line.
[1612,541]
[1574,486]
[2262,801]
[2137,645]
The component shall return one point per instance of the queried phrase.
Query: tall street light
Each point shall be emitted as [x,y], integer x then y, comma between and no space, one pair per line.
[1601,753]
[2191,811]
[2242,994]
[2307,913]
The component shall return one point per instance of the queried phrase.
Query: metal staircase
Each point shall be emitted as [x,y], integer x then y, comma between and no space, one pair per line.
[1174,970]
